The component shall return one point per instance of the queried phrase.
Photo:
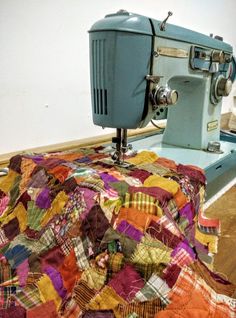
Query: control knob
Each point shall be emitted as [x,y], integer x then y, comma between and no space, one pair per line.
[165,96]
[224,86]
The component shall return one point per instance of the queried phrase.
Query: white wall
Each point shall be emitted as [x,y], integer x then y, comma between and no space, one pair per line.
[44,61]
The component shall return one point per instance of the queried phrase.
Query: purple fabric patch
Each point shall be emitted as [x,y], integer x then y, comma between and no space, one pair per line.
[37,158]
[187,212]
[89,200]
[107,178]
[184,245]
[127,282]
[56,279]
[129,230]
[38,180]
[43,200]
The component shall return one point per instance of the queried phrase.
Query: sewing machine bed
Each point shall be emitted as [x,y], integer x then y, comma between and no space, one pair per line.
[81,237]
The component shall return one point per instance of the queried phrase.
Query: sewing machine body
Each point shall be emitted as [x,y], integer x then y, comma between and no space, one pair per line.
[140,67]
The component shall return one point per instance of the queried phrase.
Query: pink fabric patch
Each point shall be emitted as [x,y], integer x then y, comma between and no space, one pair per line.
[3,203]
[22,271]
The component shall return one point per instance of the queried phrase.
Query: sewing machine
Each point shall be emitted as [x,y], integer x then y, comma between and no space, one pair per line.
[143,69]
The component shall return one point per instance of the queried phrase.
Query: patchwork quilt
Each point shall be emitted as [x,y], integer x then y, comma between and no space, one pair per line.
[83,237]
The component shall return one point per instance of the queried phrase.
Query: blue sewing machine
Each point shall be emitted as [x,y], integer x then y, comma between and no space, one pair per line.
[141,67]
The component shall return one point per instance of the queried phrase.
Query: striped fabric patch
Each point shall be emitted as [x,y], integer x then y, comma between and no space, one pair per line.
[83,294]
[142,202]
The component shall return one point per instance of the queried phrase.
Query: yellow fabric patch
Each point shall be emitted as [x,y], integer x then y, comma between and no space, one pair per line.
[20,213]
[110,206]
[27,167]
[7,182]
[161,182]
[56,208]
[47,291]
[143,157]
[209,240]
[151,251]
[107,299]
[95,278]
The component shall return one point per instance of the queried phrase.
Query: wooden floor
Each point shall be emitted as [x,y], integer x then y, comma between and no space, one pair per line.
[225,209]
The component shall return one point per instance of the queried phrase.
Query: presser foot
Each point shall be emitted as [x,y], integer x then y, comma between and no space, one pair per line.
[121,146]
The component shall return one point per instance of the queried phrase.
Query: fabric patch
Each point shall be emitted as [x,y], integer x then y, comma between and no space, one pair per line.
[151,251]
[143,157]
[47,309]
[83,294]
[129,230]
[142,202]
[126,288]
[154,287]
[145,309]
[5,297]
[34,216]
[164,183]
[47,291]
[28,296]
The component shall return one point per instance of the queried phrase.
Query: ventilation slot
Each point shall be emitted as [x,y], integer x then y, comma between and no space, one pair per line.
[99,90]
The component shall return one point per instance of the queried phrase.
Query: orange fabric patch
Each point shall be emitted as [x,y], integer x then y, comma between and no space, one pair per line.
[168,163]
[140,220]
[180,199]
[60,172]
[69,271]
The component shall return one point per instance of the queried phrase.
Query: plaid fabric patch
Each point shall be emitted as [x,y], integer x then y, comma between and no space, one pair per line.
[47,240]
[28,297]
[83,294]
[146,270]
[155,287]
[6,273]
[146,309]
[142,202]
[115,263]
[67,246]
[169,225]
[190,287]
[151,251]
[182,258]
[79,249]
[6,300]
[172,209]
[3,238]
